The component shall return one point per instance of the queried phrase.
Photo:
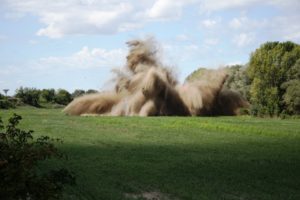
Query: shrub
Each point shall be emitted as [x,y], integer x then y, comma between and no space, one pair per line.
[19,157]
[29,96]
[48,95]
[63,97]
[244,111]
[6,104]
[77,93]
[91,91]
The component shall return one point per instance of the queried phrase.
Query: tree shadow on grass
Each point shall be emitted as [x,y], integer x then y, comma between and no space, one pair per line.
[227,171]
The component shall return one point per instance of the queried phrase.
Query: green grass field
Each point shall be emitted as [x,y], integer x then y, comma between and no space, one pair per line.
[182,157]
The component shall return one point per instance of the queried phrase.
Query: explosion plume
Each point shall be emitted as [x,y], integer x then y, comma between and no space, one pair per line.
[147,88]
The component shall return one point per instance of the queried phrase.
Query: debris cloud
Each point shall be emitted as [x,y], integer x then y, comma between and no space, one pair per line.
[145,87]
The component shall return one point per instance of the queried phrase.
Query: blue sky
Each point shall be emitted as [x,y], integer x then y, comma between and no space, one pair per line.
[74,44]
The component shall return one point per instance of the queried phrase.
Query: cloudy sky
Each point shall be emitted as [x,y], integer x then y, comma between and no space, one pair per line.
[75,43]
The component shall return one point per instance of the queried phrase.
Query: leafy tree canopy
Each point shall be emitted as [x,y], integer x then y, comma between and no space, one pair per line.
[269,68]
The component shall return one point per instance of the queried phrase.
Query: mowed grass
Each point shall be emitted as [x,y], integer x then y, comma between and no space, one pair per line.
[183,157]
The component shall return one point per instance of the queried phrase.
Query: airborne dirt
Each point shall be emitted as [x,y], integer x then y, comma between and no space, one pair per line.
[148,88]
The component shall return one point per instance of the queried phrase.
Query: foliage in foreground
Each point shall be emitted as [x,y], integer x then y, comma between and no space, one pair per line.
[19,158]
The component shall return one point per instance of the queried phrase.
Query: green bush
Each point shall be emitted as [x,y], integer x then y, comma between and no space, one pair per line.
[78,93]
[254,110]
[48,95]
[91,91]
[19,158]
[29,96]
[6,104]
[244,111]
[63,97]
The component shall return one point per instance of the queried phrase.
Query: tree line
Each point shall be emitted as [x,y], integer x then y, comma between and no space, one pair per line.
[36,97]
[270,81]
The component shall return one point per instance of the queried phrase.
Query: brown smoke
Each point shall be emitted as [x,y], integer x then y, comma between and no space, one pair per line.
[229,103]
[100,103]
[147,88]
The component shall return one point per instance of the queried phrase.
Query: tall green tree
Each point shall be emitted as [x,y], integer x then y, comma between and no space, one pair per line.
[268,69]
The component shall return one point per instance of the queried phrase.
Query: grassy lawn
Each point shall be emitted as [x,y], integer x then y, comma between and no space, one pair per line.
[182,157]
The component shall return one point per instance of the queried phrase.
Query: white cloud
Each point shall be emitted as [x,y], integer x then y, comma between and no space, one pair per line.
[51,31]
[279,27]
[217,5]
[83,17]
[243,39]
[234,63]
[167,9]
[86,58]
[246,24]
[237,23]
[214,5]
[287,27]
[86,68]
[176,53]
[76,16]
[293,35]
[79,17]
[209,23]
